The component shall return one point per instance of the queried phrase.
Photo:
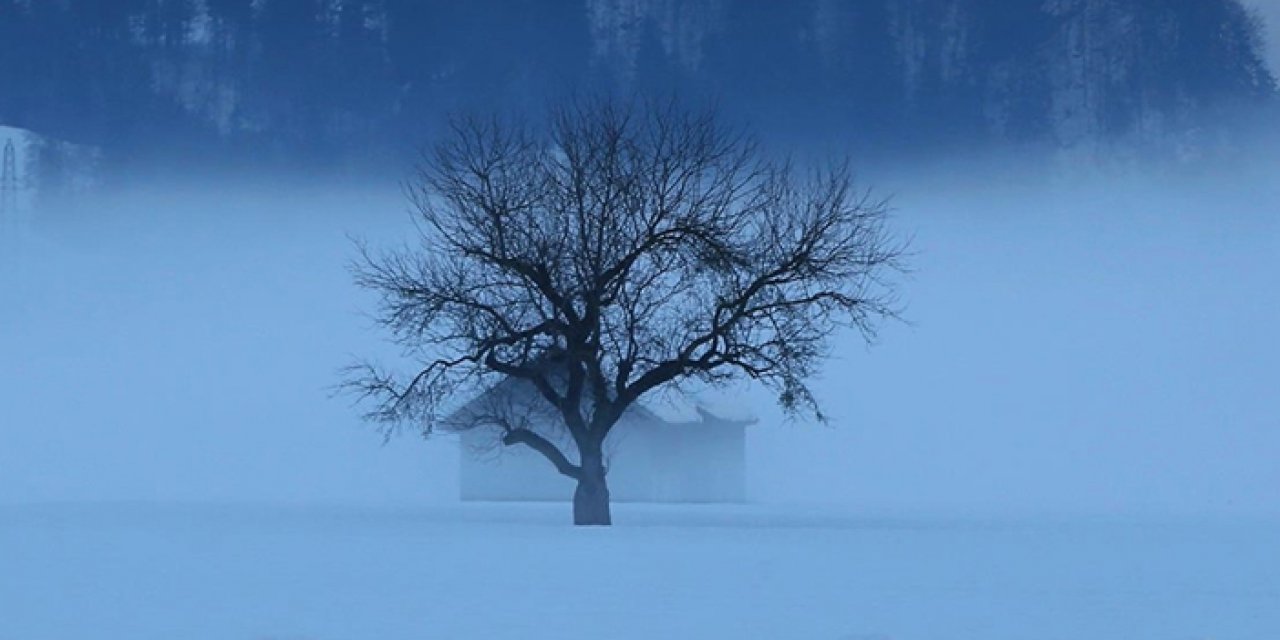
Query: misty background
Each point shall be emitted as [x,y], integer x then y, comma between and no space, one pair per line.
[1097,246]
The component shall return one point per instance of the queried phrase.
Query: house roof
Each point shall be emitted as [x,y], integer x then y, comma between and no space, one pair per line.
[699,405]
[682,406]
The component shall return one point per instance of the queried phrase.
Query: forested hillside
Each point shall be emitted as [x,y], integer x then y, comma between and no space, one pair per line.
[360,78]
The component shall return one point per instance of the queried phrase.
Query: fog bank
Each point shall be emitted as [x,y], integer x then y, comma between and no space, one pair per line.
[1102,345]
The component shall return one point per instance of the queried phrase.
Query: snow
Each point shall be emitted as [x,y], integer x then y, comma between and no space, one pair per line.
[143,571]
[735,403]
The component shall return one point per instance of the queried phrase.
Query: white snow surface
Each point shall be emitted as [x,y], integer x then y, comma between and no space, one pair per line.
[490,571]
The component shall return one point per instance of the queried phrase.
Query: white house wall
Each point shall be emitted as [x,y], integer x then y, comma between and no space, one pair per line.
[648,461]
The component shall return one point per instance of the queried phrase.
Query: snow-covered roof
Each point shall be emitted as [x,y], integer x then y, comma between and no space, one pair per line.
[731,404]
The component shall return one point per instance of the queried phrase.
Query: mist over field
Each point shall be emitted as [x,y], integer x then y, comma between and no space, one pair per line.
[1096,343]
[1081,412]
[1072,433]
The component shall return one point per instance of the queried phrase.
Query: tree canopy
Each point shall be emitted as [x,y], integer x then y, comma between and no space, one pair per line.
[621,248]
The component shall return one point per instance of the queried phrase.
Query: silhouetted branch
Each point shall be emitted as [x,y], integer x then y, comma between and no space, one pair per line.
[621,249]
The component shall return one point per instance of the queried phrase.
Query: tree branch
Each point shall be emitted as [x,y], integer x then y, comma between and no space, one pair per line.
[545,447]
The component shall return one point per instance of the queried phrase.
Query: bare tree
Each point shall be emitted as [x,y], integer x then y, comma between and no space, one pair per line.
[622,248]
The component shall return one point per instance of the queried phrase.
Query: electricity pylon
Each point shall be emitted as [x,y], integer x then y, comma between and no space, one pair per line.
[10,225]
[9,181]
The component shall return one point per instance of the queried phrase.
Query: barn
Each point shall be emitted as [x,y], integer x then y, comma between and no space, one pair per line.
[675,448]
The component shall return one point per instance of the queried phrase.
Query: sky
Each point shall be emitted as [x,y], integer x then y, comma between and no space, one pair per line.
[1100,344]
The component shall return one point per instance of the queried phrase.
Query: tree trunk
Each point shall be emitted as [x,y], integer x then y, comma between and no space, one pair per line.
[591,499]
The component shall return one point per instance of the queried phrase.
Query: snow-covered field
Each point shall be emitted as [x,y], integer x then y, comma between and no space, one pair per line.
[518,571]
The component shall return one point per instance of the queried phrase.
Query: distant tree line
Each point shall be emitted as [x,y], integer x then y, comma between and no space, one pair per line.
[307,77]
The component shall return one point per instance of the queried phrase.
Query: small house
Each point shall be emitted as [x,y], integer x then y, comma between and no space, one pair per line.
[674,448]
